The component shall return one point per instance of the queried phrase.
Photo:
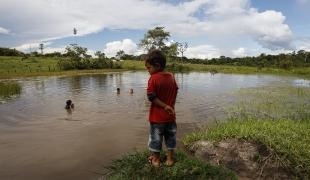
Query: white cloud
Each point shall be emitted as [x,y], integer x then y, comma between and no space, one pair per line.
[126,45]
[39,20]
[32,46]
[304,44]
[236,18]
[240,52]
[4,31]
[202,52]
[54,49]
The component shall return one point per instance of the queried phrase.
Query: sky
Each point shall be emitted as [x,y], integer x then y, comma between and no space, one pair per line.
[212,28]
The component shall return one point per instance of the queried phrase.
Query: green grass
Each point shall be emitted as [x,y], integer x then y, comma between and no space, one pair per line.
[38,66]
[278,117]
[135,166]
[288,139]
[8,89]
[276,103]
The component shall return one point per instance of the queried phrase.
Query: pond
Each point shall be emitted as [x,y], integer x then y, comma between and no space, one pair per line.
[41,140]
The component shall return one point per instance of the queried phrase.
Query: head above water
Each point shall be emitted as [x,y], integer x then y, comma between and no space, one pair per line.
[68,102]
[155,61]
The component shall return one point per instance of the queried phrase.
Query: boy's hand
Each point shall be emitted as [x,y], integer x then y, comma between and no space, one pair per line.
[169,109]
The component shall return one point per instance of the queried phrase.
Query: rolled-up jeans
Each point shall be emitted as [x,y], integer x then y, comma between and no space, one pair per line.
[160,131]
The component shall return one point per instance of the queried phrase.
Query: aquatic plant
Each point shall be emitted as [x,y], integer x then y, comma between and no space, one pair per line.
[8,89]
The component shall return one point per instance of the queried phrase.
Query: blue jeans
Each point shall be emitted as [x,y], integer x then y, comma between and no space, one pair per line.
[160,131]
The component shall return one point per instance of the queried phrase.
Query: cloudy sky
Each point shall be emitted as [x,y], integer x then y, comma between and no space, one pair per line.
[211,27]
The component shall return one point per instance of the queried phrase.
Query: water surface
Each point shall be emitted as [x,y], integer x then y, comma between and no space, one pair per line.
[39,139]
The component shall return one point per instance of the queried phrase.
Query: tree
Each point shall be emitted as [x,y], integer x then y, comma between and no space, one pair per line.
[100,55]
[155,39]
[182,48]
[120,54]
[171,51]
[76,52]
[41,47]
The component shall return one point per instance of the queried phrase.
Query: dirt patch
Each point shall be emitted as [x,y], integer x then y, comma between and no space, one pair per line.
[250,160]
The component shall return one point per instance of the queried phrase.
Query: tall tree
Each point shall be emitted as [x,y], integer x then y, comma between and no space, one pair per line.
[155,39]
[182,47]
[100,55]
[41,47]
[120,54]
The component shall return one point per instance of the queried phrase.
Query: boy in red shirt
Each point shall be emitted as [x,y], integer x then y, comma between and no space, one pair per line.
[162,92]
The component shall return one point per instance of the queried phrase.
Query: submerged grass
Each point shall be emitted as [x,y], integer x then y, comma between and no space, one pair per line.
[135,166]
[276,103]
[8,89]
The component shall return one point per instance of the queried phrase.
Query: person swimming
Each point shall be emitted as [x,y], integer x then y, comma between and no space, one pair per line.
[69,104]
[118,90]
[131,91]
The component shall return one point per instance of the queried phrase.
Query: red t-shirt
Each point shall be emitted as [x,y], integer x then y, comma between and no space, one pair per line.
[163,85]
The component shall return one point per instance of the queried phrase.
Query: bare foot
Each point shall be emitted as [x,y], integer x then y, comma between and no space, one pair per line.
[169,162]
[154,161]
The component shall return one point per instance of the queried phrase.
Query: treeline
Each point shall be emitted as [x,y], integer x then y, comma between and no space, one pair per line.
[76,57]
[10,52]
[285,61]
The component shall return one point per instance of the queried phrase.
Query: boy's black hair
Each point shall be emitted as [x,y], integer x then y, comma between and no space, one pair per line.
[155,57]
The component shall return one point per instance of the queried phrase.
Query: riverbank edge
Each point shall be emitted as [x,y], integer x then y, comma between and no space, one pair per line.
[130,65]
[285,142]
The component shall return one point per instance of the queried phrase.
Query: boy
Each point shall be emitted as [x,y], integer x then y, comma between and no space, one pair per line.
[69,104]
[161,91]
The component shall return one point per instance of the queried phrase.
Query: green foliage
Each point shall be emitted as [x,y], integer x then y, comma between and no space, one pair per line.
[8,89]
[10,52]
[136,166]
[155,39]
[120,54]
[288,139]
[171,52]
[275,116]
[78,59]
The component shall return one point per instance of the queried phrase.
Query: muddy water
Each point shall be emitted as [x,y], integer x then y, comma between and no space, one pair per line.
[39,139]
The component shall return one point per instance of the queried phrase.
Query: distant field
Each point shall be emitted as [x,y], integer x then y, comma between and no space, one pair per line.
[35,66]
[32,64]
[38,66]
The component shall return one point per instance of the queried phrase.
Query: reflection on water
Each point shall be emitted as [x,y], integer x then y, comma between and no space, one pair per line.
[39,139]
[302,83]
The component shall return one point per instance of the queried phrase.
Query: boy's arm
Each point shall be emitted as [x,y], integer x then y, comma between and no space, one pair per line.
[159,103]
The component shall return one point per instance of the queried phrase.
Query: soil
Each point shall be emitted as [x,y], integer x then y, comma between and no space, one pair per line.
[249,160]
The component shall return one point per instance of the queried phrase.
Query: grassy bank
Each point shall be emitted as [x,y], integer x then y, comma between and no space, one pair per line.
[278,117]
[135,166]
[287,139]
[43,66]
[11,67]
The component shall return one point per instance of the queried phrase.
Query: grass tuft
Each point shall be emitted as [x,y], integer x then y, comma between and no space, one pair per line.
[135,166]
[8,89]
